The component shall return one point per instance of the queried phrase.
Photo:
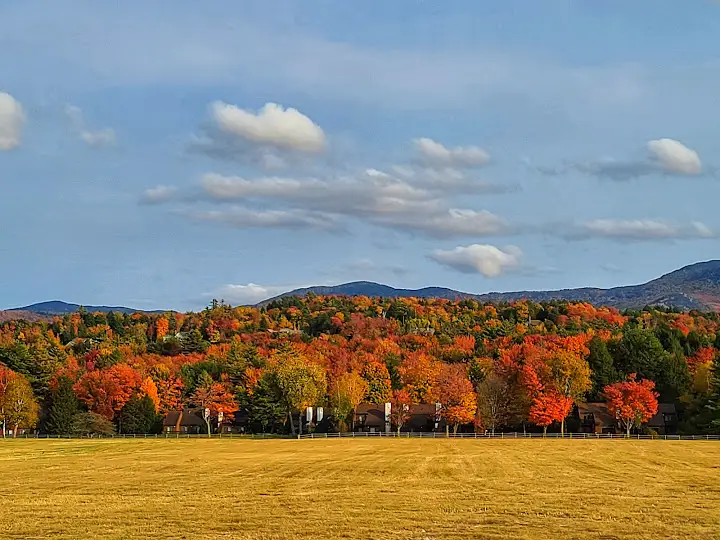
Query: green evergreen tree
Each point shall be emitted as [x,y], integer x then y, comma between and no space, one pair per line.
[63,409]
[138,416]
[602,367]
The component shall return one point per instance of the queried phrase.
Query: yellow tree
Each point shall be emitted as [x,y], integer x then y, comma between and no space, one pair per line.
[570,376]
[348,391]
[18,406]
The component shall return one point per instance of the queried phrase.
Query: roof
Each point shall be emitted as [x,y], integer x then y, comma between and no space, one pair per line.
[599,410]
[375,414]
[189,418]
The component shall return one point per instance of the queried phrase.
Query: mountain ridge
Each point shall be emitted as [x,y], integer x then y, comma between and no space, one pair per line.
[59,307]
[695,286]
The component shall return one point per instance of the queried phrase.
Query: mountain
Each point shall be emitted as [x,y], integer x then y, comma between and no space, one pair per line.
[693,287]
[57,307]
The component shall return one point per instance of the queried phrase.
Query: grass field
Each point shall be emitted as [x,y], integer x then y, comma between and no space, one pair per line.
[369,489]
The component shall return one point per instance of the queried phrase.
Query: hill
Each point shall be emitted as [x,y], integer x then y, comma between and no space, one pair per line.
[693,287]
[58,307]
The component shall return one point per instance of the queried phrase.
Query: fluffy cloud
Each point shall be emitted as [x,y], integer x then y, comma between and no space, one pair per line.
[12,119]
[665,156]
[99,138]
[434,153]
[673,157]
[453,223]
[158,194]
[639,230]
[249,294]
[490,261]
[272,125]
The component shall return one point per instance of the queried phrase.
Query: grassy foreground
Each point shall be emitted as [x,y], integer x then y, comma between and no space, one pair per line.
[364,489]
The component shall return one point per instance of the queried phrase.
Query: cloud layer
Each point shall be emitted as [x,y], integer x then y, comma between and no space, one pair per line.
[98,138]
[12,119]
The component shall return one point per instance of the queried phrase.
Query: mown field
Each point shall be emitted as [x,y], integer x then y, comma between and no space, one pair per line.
[364,489]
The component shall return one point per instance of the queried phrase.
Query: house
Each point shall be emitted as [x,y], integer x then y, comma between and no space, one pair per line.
[373,418]
[185,421]
[665,422]
[596,418]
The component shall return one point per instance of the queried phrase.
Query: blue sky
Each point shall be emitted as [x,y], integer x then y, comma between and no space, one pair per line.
[159,157]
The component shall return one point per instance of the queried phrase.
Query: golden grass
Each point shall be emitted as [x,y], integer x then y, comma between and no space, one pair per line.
[359,489]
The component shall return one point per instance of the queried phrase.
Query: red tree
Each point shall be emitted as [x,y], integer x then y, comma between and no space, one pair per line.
[455,393]
[106,391]
[549,407]
[400,408]
[632,402]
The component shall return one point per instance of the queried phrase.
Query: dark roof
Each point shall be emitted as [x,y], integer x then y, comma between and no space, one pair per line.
[189,418]
[600,412]
[375,414]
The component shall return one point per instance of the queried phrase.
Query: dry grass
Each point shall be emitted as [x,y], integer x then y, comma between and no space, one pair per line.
[364,489]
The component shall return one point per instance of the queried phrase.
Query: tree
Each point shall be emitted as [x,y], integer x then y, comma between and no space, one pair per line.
[63,408]
[89,424]
[348,391]
[301,382]
[149,388]
[106,391]
[570,375]
[18,406]
[602,367]
[400,408]
[138,416]
[495,401]
[216,397]
[266,407]
[379,384]
[419,372]
[549,407]
[632,402]
[454,391]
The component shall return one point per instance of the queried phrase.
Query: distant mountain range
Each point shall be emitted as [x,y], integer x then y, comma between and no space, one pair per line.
[693,287]
[57,307]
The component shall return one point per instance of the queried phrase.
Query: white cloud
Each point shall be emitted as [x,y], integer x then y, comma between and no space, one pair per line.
[99,138]
[248,294]
[485,259]
[158,194]
[247,218]
[12,119]
[435,153]
[666,157]
[674,157]
[639,230]
[373,196]
[272,125]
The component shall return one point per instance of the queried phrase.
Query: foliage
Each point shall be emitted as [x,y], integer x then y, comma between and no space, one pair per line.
[632,402]
[86,424]
[64,406]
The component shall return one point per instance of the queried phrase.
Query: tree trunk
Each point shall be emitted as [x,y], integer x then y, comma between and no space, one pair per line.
[292,424]
[562,427]
[544,431]
[15,428]
[455,428]
[300,422]
[628,430]
[447,430]
[207,421]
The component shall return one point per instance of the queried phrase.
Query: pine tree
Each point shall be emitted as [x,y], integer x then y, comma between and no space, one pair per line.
[63,409]
[713,403]
[602,367]
[138,416]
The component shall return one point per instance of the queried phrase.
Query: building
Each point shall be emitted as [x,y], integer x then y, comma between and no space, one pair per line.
[596,418]
[185,421]
[373,418]
[665,422]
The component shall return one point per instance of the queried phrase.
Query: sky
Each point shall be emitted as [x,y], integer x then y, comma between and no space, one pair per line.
[161,157]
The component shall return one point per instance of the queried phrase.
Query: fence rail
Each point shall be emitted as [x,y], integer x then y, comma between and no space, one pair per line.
[391,435]
[514,435]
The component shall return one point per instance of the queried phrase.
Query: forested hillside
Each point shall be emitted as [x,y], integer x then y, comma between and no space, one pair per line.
[498,365]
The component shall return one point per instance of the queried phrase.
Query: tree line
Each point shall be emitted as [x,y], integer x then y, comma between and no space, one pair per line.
[522,365]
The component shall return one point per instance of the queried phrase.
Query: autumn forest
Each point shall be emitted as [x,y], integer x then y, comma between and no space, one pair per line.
[491,367]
